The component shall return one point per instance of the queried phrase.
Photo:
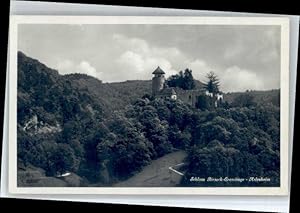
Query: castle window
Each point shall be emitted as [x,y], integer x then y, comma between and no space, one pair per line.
[190,97]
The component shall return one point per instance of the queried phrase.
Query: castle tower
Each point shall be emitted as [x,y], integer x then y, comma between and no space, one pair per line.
[158,81]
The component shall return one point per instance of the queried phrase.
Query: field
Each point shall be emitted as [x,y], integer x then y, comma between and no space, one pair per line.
[157,174]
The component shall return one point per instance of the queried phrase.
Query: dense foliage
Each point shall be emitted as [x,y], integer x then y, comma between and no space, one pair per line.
[183,80]
[238,142]
[66,124]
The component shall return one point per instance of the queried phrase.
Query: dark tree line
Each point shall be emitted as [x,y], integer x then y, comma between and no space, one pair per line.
[183,80]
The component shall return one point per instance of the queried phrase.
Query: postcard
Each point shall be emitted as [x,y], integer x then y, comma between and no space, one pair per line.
[148,105]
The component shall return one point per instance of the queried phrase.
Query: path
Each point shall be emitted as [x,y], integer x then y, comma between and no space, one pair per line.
[158,173]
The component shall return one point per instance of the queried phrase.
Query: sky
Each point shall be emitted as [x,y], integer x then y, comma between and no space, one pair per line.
[243,57]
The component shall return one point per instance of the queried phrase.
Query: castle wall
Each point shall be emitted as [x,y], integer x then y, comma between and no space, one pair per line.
[188,96]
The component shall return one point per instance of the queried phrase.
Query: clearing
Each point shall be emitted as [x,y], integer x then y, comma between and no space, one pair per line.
[157,174]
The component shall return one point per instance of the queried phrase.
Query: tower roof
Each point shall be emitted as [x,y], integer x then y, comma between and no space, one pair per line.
[158,71]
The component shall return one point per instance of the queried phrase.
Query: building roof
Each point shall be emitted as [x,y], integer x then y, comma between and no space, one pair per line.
[168,91]
[158,71]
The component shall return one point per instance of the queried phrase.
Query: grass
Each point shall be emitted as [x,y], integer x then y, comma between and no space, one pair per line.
[157,174]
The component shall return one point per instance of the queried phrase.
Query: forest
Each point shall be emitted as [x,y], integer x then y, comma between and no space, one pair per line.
[107,132]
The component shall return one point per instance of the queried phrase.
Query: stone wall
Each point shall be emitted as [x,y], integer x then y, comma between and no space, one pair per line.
[188,96]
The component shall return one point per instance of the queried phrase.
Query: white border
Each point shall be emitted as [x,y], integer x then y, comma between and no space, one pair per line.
[284,108]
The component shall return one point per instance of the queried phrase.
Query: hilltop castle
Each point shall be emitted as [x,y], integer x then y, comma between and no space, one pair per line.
[160,89]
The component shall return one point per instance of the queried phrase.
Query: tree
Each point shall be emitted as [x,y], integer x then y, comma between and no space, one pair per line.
[213,84]
[60,158]
[204,102]
[244,100]
[175,80]
[147,96]
[188,80]
[183,80]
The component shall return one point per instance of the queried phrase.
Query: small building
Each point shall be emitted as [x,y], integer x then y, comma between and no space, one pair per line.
[218,97]
[167,92]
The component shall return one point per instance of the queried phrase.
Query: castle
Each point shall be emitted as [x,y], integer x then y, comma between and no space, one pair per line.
[160,90]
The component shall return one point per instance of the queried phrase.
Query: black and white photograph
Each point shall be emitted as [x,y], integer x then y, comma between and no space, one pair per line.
[126,103]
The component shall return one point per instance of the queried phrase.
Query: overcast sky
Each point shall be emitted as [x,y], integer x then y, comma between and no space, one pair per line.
[243,57]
